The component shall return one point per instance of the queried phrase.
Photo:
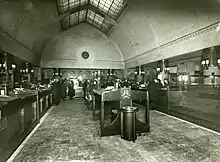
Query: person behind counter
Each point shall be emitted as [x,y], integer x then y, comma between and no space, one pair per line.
[154,88]
[71,92]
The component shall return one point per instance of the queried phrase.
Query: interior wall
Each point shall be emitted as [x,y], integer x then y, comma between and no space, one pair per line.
[146,25]
[65,50]
[14,48]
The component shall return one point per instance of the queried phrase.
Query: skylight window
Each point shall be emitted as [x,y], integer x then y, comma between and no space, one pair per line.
[66,5]
[99,13]
[98,21]
[111,7]
[77,17]
[62,6]
[77,3]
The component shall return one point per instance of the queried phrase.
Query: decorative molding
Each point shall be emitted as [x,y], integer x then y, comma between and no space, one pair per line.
[58,63]
[109,64]
[158,50]
[74,63]
[108,61]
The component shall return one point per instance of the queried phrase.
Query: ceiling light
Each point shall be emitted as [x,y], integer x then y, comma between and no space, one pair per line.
[218,27]
[13,66]
[207,62]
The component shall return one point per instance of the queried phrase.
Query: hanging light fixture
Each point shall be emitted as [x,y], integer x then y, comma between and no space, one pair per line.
[218,27]
[158,69]
[4,64]
[13,66]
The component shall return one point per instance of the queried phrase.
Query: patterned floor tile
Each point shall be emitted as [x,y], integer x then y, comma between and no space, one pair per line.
[69,134]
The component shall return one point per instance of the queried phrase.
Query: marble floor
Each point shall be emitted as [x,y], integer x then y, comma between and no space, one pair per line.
[70,134]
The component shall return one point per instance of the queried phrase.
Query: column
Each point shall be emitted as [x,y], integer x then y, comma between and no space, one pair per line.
[209,63]
[162,70]
[99,79]
[140,74]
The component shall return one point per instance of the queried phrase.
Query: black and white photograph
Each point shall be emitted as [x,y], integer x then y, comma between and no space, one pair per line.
[109,80]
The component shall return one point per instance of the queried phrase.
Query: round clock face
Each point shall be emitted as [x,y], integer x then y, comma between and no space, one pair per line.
[85,55]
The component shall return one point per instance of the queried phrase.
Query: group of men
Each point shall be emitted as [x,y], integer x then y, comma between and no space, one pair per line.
[62,89]
[67,89]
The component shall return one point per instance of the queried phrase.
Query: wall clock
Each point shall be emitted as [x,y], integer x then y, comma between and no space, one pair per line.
[85,55]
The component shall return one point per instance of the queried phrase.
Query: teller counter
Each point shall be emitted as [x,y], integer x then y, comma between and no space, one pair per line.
[160,100]
[45,99]
[18,116]
[198,104]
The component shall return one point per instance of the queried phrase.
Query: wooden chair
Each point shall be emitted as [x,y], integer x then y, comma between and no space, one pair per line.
[125,97]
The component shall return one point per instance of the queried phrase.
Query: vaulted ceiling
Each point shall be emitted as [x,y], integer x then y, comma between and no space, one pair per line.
[143,30]
[29,25]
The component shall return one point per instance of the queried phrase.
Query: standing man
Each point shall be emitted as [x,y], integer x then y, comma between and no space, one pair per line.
[56,92]
[84,88]
[63,89]
[71,92]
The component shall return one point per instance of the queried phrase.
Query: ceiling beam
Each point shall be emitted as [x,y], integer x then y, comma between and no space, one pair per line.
[74,10]
[84,7]
[103,14]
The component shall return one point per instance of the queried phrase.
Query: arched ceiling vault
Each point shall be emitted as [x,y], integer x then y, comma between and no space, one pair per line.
[158,29]
[144,25]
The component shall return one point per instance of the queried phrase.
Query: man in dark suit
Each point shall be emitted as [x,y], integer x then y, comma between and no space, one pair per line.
[71,92]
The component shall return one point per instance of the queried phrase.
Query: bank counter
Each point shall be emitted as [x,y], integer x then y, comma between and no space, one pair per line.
[198,104]
[19,114]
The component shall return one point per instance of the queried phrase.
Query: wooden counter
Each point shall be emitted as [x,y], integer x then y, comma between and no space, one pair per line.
[19,114]
[102,108]
[198,104]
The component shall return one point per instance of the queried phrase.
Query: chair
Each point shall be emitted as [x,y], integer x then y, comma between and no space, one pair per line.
[125,97]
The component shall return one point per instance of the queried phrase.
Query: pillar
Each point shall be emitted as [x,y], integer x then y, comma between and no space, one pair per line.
[140,75]
[99,79]
[162,70]
[39,74]
[125,73]
[210,66]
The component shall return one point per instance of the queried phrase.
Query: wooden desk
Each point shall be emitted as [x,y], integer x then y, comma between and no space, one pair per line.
[113,127]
